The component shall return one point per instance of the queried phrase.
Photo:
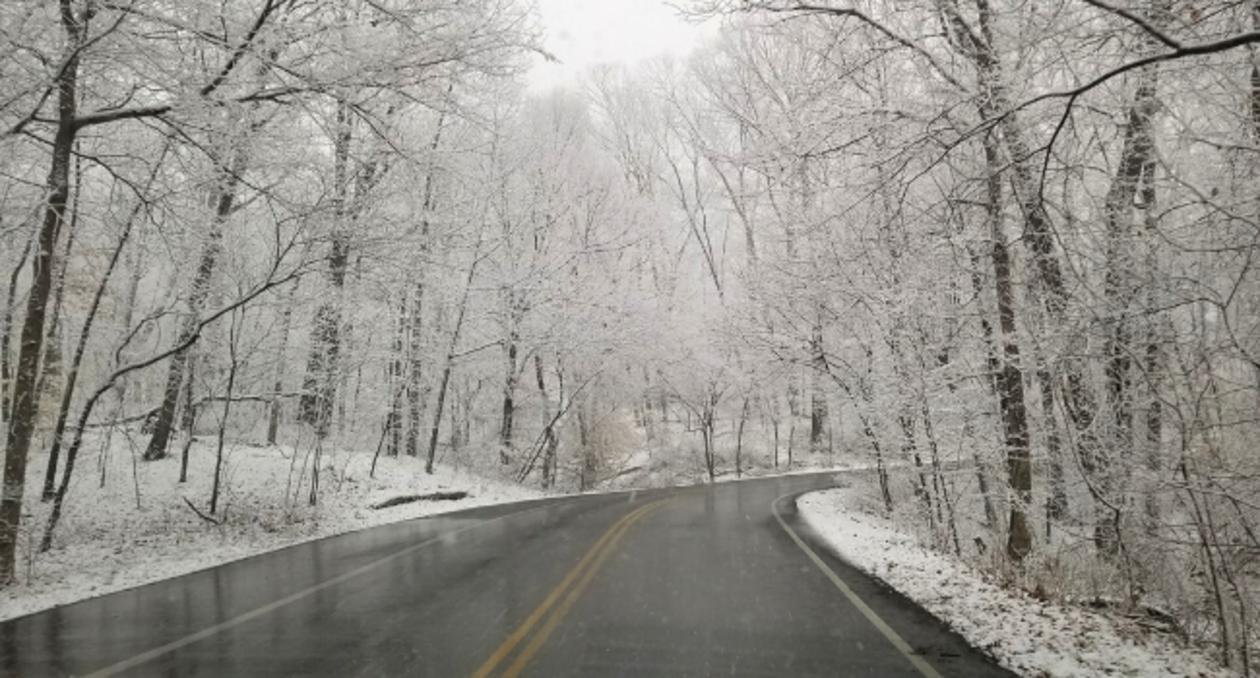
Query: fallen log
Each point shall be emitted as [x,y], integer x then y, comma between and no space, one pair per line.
[407,499]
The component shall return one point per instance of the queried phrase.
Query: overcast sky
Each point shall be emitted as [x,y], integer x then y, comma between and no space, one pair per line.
[582,33]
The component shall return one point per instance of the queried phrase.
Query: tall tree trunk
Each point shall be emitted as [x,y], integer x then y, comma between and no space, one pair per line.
[1154,419]
[277,404]
[188,418]
[449,363]
[791,440]
[774,424]
[415,314]
[993,365]
[319,390]
[739,439]
[393,430]
[708,430]
[50,368]
[435,430]
[818,396]
[588,468]
[550,440]
[510,349]
[1255,72]
[6,365]
[1121,285]
[910,450]
[224,200]
[25,407]
[991,361]
[995,104]
[233,365]
[470,396]
[944,505]
[415,367]
[1057,499]
[1009,378]
[881,469]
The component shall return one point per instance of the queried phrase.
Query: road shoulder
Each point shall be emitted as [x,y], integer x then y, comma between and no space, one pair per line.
[1026,635]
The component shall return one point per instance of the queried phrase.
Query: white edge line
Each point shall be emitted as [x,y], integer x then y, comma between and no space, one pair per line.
[919,662]
[150,655]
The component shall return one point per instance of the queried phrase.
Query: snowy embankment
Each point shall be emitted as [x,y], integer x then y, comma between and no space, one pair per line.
[139,529]
[1026,635]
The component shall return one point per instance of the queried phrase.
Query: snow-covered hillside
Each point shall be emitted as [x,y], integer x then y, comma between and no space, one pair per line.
[139,528]
[1031,637]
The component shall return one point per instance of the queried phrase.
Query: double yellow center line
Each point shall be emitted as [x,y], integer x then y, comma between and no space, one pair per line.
[582,573]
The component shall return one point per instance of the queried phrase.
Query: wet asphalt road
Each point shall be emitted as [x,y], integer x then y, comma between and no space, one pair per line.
[702,581]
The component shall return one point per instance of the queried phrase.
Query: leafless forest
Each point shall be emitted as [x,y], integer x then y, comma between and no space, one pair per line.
[1006,251]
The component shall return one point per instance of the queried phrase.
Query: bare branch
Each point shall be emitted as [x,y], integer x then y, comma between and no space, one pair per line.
[1145,25]
[805,8]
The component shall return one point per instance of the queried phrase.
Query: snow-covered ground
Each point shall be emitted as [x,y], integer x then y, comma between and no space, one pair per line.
[138,528]
[1026,635]
[672,464]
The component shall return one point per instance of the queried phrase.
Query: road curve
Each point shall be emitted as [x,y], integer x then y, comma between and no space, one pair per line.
[702,581]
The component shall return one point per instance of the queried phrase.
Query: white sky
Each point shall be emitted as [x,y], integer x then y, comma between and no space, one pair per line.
[582,33]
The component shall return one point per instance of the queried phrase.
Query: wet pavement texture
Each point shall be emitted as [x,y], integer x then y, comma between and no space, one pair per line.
[707,583]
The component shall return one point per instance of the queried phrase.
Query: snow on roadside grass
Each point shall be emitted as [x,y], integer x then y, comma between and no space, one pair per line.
[104,543]
[1025,635]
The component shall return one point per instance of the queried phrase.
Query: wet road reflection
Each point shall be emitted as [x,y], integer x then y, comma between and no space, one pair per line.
[707,584]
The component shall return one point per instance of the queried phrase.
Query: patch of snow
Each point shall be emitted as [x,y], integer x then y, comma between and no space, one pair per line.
[138,529]
[1028,636]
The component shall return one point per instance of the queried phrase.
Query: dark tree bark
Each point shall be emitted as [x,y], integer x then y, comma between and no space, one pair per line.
[992,364]
[25,407]
[791,440]
[391,436]
[319,386]
[708,430]
[995,104]
[435,430]
[1121,286]
[774,424]
[415,368]
[6,364]
[224,200]
[50,370]
[589,467]
[233,365]
[1154,418]
[818,397]
[940,484]
[464,425]
[1009,378]
[1057,500]
[910,450]
[739,439]
[449,363]
[415,314]
[188,415]
[1255,73]
[277,405]
[510,348]
[550,440]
